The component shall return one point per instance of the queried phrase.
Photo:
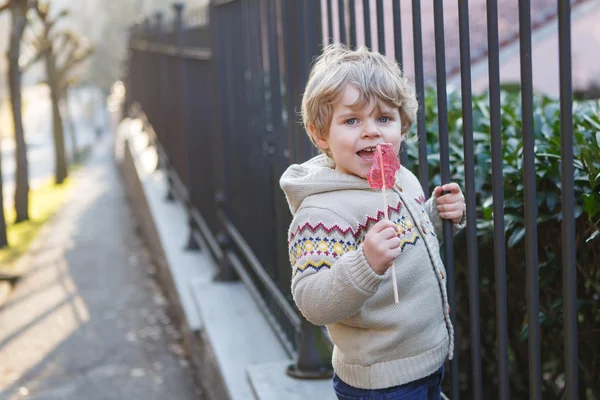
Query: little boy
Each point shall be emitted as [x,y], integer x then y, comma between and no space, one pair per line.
[342,248]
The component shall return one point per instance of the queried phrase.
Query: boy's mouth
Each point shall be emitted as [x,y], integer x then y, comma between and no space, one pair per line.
[367,153]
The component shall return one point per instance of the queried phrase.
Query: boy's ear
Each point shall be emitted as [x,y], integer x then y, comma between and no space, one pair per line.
[322,143]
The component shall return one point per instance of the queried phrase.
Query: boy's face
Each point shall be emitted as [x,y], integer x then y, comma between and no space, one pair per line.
[354,133]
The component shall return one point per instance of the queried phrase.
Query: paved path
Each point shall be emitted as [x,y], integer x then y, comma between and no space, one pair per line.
[88,321]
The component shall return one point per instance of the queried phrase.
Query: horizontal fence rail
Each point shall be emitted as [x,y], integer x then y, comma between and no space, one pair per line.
[220,89]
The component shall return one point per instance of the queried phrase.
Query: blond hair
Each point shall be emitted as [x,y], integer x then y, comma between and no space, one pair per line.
[376,78]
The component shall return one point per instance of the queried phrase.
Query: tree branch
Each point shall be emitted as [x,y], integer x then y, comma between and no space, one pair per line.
[73,62]
[32,61]
[61,15]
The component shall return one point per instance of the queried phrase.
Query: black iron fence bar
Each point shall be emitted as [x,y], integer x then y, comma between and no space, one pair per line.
[182,90]
[274,76]
[568,200]
[398,55]
[171,50]
[420,92]
[397,33]
[367,22]
[220,104]
[166,107]
[306,13]
[352,11]
[380,28]
[440,64]
[498,196]
[341,20]
[329,21]
[290,91]
[529,181]
[470,194]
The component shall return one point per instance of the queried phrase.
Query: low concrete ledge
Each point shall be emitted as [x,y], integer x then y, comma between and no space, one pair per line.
[237,332]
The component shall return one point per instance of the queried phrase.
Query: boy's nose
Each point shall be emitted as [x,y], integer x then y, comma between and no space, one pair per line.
[371,130]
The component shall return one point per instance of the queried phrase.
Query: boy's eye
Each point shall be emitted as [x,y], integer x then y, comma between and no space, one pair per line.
[384,120]
[351,121]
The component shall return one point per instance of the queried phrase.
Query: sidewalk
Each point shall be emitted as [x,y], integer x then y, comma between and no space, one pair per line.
[88,320]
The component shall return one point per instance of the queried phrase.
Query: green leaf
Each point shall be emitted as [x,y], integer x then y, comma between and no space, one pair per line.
[516,236]
[592,236]
[591,204]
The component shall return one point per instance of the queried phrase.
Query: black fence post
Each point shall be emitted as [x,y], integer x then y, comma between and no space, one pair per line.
[217,32]
[192,243]
[162,103]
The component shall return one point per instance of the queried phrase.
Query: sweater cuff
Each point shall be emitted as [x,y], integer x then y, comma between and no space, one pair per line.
[361,272]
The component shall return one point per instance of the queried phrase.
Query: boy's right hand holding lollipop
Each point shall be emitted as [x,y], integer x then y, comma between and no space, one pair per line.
[382,246]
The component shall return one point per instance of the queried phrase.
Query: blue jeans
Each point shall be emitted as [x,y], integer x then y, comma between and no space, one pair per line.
[428,388]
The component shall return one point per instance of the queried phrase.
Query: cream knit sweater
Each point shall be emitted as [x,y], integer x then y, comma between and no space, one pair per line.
[378,343]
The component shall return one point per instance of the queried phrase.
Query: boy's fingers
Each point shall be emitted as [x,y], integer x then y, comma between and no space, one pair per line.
[451,187]
[383,224]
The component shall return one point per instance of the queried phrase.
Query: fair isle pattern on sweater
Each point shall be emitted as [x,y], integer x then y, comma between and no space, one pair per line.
[333,242]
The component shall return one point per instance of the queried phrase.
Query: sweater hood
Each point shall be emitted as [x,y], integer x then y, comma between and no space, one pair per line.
[317,175]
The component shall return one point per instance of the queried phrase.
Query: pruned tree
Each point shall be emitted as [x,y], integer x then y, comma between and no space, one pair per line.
[18,12]
[62,52]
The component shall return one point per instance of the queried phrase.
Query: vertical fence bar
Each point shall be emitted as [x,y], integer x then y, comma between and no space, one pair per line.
[380,28]
[498,195]
[367,19]
[397,33]
[192,243]
[420,91]
[469,154]
[219,44]
[568,200]
[165,103]
[290,87]
[398,55]
[440,64]
[529,181]
[342,21]
[276,134]
[329,22]
[305,32]
[352,10]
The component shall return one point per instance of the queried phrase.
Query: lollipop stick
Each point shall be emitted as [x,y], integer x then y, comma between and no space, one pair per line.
[385,212]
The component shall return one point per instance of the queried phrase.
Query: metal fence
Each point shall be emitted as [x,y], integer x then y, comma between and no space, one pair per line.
[222,99]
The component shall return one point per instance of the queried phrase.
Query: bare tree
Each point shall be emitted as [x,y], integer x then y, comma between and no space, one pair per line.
[18,11]
[62,52]
[3,237]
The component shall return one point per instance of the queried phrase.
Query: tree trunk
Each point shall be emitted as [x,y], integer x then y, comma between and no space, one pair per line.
[73,133]
[3,238]
[60,158]
[14,78]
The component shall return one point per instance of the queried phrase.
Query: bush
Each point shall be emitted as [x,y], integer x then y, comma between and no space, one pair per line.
[586,148]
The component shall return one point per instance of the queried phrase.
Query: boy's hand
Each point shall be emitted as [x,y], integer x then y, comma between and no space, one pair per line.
[382,246]
[451,204]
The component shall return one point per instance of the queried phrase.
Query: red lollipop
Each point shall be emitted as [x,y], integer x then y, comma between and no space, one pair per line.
[382,175]
[385,164]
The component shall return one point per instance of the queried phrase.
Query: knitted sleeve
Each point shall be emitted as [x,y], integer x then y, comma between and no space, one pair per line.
[331,278]
[437,221]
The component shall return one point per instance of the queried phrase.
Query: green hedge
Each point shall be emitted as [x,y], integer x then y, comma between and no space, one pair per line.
[586,122]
